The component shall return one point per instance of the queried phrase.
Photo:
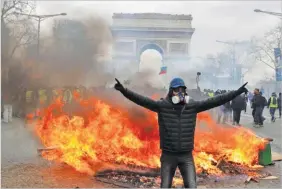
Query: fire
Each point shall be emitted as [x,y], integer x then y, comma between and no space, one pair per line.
[102,134]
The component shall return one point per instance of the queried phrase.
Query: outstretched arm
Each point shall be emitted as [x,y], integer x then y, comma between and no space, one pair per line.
[136,98]
[216,101]
[219,100]
[141,100]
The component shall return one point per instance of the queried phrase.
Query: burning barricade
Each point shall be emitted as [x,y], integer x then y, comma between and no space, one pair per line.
[112,141]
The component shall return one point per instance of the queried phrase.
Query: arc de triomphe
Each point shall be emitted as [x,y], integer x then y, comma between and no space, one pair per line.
[169,34]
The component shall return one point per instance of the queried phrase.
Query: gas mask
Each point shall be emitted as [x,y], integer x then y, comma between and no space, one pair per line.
[179,98]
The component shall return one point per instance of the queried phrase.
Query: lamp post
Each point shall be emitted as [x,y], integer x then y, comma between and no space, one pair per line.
[269,12]
[277,66]
[198,79]
[278,14]
[39,19]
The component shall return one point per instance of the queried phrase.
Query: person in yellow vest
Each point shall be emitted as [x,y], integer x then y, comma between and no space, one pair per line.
[55,94]
[68,99]
[67,95]
[272,105]
[28,96]
[28,101]
[41,100]
[42,94]
[211,93]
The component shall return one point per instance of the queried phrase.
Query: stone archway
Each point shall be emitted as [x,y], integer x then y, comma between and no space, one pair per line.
[170,35]
[151,46]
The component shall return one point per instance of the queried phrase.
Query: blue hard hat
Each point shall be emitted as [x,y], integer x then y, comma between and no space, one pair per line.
[177,82]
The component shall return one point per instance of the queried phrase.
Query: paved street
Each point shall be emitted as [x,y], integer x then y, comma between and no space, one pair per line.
[18,144]
[22,167]
[272,130]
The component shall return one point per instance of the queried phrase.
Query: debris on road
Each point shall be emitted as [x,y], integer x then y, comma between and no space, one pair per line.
[256,167]
[151,179]
[48,149]
[270,178]
[250,178]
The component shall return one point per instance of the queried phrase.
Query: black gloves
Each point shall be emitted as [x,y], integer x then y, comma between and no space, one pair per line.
[119,86]
[243,89]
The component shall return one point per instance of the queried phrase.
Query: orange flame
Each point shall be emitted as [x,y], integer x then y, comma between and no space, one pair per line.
[103,133]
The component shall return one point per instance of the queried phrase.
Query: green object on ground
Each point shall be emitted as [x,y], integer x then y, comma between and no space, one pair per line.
[265,156]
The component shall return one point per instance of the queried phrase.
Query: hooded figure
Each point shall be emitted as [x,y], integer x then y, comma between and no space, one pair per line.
[177,115]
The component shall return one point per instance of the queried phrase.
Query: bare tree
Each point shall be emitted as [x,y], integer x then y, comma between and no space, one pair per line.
[17,30]
[238,59]
[263,48]
[9,8]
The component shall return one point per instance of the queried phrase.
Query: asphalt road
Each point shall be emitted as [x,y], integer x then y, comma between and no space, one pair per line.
[272,130]
[18,144]
[22,167]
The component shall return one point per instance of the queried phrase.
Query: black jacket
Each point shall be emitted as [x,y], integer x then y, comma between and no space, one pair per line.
[177,122]
[259,101]
[238,103]
[279,101]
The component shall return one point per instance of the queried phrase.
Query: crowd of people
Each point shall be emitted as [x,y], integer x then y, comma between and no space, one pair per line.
[231,111]
[29,100]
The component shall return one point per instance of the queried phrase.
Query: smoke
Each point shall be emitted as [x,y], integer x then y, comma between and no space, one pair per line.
[77,53]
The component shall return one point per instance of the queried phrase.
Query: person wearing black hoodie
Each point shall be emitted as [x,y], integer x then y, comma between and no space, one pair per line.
[237,105]
[177,115]
[258,104]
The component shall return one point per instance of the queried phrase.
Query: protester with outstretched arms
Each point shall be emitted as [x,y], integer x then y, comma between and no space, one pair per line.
[177,114]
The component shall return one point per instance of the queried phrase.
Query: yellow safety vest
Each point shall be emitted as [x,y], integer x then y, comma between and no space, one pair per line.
[42,95]
[28,96]
[210,94]
[54,94]
[272,105]
[67,96]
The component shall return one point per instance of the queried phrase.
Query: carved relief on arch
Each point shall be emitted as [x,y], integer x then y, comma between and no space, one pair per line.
[124,46]
[178,48]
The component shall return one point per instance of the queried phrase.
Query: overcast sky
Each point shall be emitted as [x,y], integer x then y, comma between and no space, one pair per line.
[213,20]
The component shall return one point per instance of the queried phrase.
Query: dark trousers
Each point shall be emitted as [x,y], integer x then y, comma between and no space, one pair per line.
[272,113]
[279,108]
[253,113]
[236,116]
[185,163]
[258,115]
[245,108]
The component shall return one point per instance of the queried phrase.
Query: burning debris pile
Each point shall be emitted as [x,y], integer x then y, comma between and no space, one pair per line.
[103,135]
[129,179]
[141,179]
